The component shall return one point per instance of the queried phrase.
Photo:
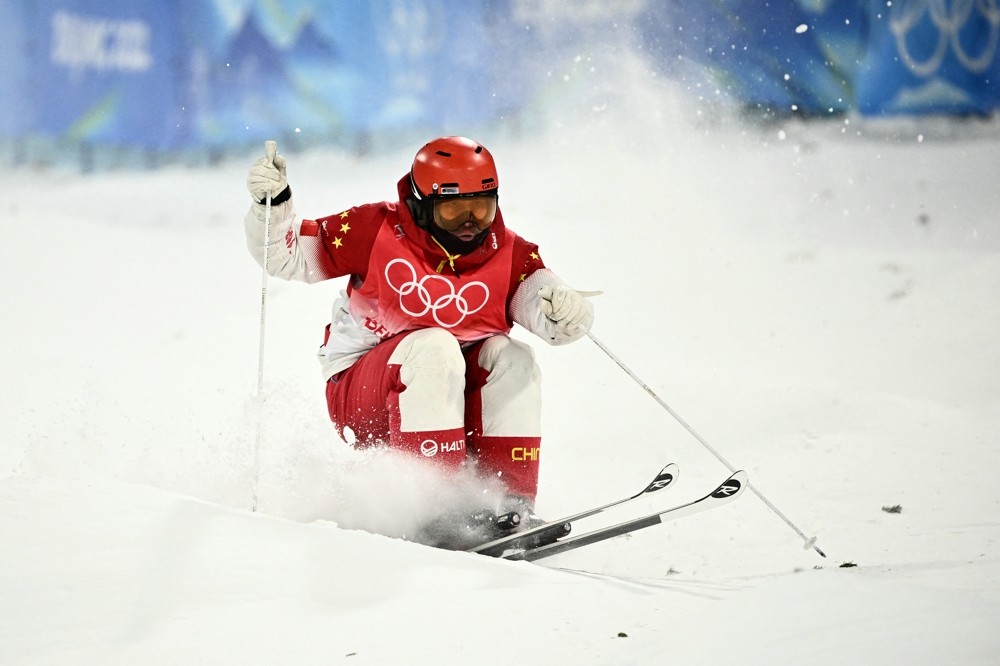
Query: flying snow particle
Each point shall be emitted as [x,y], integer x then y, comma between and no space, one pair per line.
[799,29]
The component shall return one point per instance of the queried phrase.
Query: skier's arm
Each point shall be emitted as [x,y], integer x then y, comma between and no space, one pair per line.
[268,187]
[285,258]
[301,250]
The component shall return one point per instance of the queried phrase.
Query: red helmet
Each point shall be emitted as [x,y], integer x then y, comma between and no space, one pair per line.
[453,166]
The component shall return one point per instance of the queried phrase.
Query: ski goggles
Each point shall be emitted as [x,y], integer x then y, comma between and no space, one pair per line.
[452,214]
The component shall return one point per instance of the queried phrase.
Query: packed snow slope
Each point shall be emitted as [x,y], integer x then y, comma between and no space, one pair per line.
[818,301]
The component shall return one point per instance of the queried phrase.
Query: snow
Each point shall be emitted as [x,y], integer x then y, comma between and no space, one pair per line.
[818,301]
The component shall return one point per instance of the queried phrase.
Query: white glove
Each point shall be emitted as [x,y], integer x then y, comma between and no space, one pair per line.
[566,307]
[267,175]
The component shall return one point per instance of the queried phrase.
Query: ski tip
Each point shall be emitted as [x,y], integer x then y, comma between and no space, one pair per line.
[665,478]
[731,487]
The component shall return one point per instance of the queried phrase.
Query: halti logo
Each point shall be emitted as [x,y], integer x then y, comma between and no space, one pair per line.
[430,448]
[727,489]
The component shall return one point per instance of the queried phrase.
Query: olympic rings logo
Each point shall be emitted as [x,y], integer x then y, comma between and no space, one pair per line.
[949,21]
[434,294]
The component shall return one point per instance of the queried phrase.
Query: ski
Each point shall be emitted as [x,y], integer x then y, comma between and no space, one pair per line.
[497,547]
[726,492]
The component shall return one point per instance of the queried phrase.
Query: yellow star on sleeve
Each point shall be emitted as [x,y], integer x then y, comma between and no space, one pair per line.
[521,278]
[344,228]
[337,242]
[533,255]
[344,215]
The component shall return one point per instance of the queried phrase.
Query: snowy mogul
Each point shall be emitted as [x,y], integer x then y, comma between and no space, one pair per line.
[417,356]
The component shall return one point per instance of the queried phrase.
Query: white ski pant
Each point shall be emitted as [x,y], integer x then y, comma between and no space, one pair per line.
[422,392]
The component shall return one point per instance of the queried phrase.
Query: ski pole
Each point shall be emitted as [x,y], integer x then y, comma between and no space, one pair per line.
[809,542]
[270,150]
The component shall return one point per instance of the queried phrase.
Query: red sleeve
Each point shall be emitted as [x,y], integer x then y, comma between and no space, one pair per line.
[346,239]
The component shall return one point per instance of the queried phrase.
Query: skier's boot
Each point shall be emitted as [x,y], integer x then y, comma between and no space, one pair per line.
[463,530]
[528,520]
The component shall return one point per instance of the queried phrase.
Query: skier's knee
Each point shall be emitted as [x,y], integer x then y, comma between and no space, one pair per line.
[501,354]
[430,349]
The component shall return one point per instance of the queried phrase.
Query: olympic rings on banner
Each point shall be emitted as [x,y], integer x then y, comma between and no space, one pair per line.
[949,19]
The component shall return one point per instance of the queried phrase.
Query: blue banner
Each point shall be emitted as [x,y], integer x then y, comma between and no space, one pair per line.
[931,57]
[780,57]
[817,57]
[103,73]
[326,70]
[162,76]
[14,117]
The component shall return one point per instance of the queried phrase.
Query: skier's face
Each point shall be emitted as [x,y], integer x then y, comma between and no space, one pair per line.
[465,216]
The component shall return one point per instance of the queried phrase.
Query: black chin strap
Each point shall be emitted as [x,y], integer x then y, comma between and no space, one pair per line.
[454,244]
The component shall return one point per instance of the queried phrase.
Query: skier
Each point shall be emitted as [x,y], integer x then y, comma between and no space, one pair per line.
[417,355]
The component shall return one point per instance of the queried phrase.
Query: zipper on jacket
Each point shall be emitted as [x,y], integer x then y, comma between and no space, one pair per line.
[449,258]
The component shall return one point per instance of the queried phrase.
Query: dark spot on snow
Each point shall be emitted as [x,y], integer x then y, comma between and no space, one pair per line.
[848,565]
[902,292]
[895,508]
